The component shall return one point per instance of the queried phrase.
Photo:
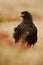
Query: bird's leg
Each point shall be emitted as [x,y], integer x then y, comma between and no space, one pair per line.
[33,45]
[29,45]
[24,43]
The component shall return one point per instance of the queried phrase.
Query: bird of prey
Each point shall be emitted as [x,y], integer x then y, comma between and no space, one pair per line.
[26,30]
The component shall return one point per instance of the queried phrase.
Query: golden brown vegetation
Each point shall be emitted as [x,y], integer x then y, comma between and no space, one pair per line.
[11,54]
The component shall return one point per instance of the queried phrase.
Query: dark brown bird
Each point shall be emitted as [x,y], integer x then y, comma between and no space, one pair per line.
[26,30]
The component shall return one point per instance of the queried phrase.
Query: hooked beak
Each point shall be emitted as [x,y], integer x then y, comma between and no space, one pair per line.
[21,15]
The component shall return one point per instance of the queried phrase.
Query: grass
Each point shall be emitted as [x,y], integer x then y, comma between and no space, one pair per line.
[11,54]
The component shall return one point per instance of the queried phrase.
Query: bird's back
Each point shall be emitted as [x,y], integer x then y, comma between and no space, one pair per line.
[26,30]
[22,28]
[33,36]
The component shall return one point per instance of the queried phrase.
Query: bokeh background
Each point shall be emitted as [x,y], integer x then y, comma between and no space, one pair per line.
[11,54]
[9,9]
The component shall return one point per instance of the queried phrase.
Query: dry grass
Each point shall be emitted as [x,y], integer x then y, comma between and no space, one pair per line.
[9,10]
[11,54]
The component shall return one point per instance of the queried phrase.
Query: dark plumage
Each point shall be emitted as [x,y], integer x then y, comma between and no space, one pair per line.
[26,30]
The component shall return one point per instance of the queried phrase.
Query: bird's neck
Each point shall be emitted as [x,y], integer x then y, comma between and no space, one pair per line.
[27,21]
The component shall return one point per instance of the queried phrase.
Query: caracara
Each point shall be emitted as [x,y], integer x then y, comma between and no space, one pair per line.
[26,30]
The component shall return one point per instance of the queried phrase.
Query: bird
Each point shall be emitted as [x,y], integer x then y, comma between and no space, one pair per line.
[26,30]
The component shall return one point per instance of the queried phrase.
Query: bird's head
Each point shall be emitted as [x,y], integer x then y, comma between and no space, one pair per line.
[26,15]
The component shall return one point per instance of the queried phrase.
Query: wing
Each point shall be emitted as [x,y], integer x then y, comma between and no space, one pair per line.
[17,33]
[25,31]
[29,32]
[33,33]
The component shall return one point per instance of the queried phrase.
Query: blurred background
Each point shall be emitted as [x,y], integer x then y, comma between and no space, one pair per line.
[10,9]
[11,54]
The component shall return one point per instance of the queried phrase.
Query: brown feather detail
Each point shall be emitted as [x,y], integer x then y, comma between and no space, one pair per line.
[27,33]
